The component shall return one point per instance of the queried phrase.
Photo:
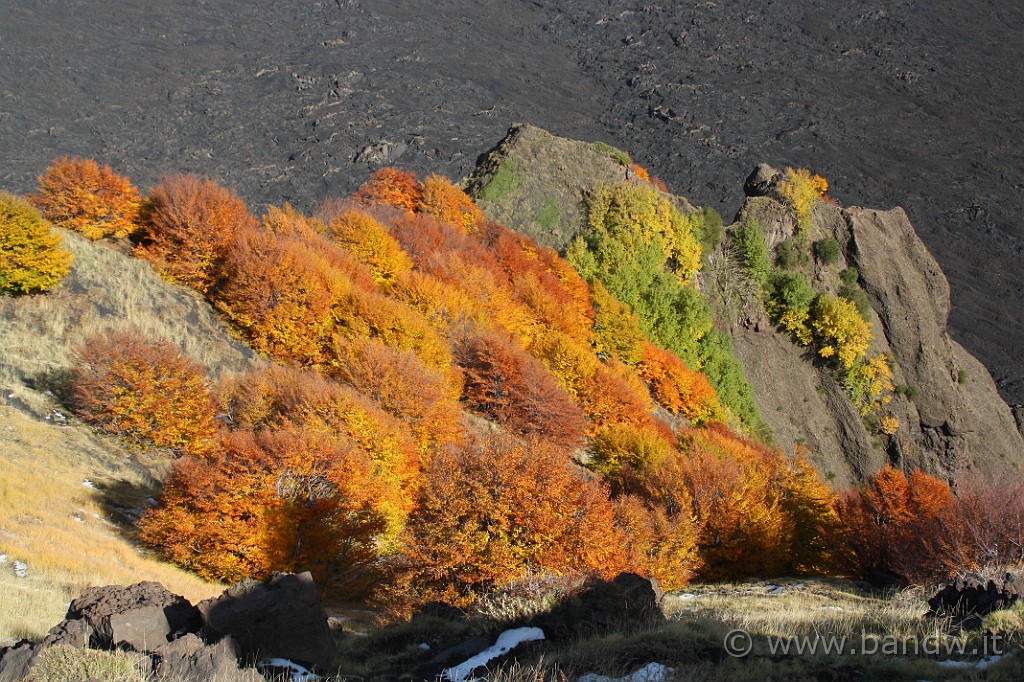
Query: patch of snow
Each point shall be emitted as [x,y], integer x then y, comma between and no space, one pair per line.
[424,646]
[687,595]
[968,665]
[652,672]
[279,667]
[3,558]
[778,590]
[507,641]
[89,484]
[20,569]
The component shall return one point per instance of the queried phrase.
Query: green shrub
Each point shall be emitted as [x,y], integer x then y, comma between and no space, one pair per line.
[962,377]
[617,154]
[859,298]
[31,256]
[708,228]
[908,392]
[502,183]
[827,250]
[791,254]
[753,251]
[850,276]
[791,291]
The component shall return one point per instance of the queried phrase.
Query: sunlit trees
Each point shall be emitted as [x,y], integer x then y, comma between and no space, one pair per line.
[898,525]
[368,241]
[493,508]
[801,189]
[677,388]
[449,204]
[145,392]
[188,224]
[392,187]
[510,387]
[31,256]
[81,195]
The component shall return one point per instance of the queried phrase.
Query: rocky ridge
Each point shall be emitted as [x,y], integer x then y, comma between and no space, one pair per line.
[956,421]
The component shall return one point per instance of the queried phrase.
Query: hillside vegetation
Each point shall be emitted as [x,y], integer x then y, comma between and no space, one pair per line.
[444,408]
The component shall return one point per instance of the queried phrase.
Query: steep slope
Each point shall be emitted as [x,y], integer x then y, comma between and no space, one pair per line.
[64,490]
[955,421]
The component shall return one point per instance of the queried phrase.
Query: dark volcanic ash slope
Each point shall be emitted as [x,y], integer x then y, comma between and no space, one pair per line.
[898,103]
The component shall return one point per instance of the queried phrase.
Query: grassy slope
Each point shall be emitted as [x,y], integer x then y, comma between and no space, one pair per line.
[70,535]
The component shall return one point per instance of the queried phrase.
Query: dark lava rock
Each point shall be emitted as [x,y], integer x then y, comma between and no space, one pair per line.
[280,617]
[188,658]
[451,656]
[760,181]
[15,661]
[605,606]
[141,617]
[971,598]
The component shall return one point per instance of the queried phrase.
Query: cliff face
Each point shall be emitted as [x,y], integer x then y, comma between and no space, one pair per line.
[952,418]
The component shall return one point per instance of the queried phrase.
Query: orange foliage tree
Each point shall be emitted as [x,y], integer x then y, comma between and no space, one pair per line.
[677,388]
[281,398]
[144,391]
[512,388]
[281,293]
[188,223]
[449,204]
[494,508]
[367,240]
[283,500]
[81,195]
[898,526]
[392,187]
[423,397]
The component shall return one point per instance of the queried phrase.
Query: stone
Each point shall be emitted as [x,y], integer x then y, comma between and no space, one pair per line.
[605,606]
[761,181]
[970,598]
[280,617]
[16,661]
[141,617]
[189,658]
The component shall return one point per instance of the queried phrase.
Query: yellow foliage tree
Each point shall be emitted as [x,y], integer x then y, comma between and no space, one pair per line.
[31,256]
[371,244]
[449,204]
[840,330]
[801,189]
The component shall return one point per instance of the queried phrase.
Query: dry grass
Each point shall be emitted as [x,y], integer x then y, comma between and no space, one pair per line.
[108,290]
[63,530]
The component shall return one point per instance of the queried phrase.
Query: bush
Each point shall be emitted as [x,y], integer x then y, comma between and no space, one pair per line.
[31,257]
[800,190]
[791,254]
[859,298]
[849,277]
[188,224]
[753,250]
[827,250]
[80,195]
[146,392]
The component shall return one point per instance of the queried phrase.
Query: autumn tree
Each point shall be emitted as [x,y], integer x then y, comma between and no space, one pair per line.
[31,256]
[273,500]
[81,195]
[800,189]
[281,293]
[449,204]
[188,223]
[145,392]
[616,331]
[809,503]
[899,525]
[281,398]
[392,187]
[839,330]
[677,388]
[368,241]
[423,397]
[513,389]
[494,508]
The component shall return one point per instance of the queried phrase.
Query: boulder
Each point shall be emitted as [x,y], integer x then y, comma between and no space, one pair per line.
[970,598]
[188,658]
[605,606]
[15,661]
[141,617]
[280,617]
[761,181]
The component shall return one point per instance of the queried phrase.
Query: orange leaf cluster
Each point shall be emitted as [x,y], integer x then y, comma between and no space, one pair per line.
[145,392]
[81,195]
